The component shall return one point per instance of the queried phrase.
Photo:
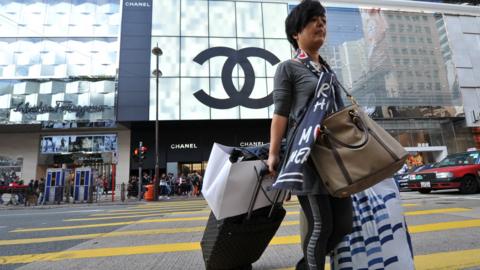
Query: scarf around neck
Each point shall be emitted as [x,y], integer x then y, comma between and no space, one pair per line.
[322,102]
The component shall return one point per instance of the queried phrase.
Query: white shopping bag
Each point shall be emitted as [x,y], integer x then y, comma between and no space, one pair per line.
[380,238]
[228,187]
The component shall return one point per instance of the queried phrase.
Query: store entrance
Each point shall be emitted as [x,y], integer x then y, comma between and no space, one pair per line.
[190,167]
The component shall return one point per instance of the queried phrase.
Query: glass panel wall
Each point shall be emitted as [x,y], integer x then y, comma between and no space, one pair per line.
[397,64]
[58,60]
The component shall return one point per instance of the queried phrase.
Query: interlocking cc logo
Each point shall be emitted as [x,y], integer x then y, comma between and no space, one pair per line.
[234,57]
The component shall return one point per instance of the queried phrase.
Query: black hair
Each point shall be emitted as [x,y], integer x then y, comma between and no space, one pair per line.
[300,16]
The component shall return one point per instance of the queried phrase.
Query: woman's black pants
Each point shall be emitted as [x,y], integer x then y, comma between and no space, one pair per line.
[329,220]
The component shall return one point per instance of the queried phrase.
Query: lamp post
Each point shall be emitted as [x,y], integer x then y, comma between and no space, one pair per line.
[157,52]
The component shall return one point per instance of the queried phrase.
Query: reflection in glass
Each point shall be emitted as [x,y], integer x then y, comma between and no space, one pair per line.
[221,23]
[193,16]
[191,108]
[249,19]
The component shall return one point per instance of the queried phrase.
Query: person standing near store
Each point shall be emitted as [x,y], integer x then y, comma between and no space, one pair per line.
[329,219]
[41,191]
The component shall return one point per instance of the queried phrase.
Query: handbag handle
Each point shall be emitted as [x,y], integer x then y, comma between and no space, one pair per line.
[258,187]
[349,96]
[326,133]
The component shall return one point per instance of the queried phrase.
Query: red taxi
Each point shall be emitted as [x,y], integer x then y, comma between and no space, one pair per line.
[457,171]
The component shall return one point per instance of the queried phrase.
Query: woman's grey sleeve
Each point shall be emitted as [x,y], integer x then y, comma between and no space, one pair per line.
[282,90]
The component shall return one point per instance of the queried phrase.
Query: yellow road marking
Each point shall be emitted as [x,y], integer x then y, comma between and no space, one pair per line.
[158,210]
[414,213]
[133,216]
[442,226]
[432,227]
[171,212]
[436,211]
[121,212]
[123,223]
[409,204]
[146,213]
[448,260]
[436,261]
[167,205]
[101,235]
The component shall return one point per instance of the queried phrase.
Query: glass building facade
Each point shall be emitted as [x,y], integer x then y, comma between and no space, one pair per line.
[195,26]
[58,60]
[81,63]
[397,64]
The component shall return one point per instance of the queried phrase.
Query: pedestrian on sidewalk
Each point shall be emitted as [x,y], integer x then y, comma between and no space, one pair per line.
[41,191]
[98,188]
[329,219]
[105,186]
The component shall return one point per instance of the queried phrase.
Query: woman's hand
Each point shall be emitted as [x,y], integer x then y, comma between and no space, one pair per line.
[272,163]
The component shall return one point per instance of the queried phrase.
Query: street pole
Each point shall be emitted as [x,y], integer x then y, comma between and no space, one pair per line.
[157,52]
[140,173]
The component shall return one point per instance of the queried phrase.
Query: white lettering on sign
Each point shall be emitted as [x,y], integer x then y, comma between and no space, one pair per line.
[137,4]
[247,144]
[183,146]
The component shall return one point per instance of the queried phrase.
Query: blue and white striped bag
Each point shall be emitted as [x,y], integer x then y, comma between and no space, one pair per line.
[380,238]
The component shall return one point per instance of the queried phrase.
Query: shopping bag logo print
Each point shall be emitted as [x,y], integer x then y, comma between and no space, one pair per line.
[236,97]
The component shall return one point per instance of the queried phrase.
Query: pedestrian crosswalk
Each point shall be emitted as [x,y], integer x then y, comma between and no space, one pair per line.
[176,228]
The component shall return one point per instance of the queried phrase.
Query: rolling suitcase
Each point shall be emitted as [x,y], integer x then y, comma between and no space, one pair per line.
[237,242]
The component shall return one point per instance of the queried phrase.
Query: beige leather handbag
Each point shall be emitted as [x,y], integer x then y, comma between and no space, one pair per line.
[353,153]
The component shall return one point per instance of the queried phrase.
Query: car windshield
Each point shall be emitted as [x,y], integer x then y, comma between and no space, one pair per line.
[459,159]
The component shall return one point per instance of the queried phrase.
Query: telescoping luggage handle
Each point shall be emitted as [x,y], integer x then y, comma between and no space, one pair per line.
[258,186]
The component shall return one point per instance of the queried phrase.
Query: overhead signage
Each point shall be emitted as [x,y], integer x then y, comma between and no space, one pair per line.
[78,144]
[137,4]
[249,144]
[60,107]
[183,146]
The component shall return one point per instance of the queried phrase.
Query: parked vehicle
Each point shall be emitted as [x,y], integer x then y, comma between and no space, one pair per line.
[402,178]
[457,171]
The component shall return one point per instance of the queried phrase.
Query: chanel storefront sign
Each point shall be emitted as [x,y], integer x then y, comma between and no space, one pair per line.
[61,107]
[184,146]
[249,144]
[137,4]
[236,97]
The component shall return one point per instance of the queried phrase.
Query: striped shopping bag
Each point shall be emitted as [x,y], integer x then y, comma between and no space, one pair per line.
[380,238]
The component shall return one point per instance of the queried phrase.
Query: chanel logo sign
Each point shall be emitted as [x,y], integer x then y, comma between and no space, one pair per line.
[236,97]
